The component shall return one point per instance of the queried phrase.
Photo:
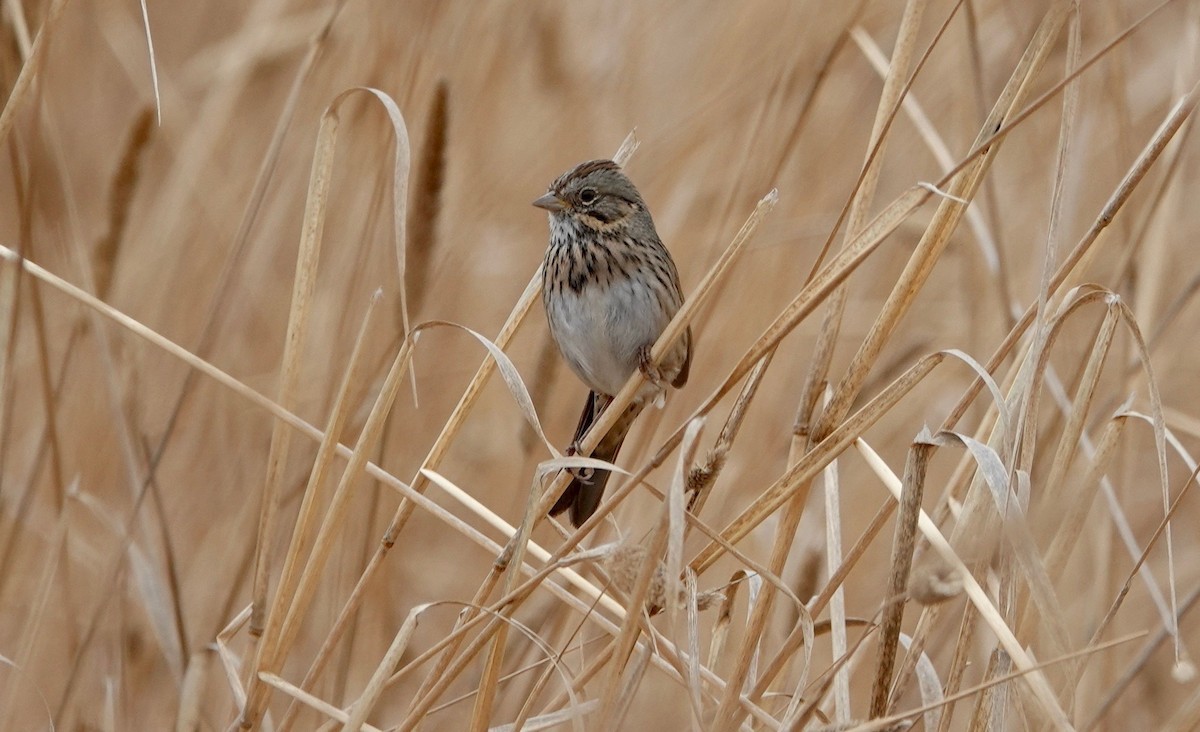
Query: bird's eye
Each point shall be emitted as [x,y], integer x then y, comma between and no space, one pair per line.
[587,196]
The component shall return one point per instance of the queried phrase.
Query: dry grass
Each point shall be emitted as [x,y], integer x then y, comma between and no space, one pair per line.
[277,453]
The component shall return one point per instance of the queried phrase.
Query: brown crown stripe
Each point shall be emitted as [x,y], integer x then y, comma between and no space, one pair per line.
[582,170]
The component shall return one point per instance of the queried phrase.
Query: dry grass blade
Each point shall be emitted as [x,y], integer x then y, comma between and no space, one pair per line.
[303,285]
[1136,667]
[1066,540]
[433,458]
[1042,693]
[820,286]
[302,538]
[1183,669]
[1009,505]
[1056,138]
[326,536]
[1069,440]
[551,720]
[887,723]
[807,630]
[895,87]
[1178,114]
[316,206]
[513,554]
[231,665]
[508,373]
[365,703]
[815,460]
[1074,301]
[19,672]
[964,185]
[309,700]
[940,150]
[702,478]
[797,639]
[676,522]
[633,678]
[639,596]
[30,69]
[153,60]
[695,685]
[930,685]
[628,147]
[724,618]
[9,291]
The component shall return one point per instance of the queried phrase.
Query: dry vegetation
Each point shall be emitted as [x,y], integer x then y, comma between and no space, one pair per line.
[236,486]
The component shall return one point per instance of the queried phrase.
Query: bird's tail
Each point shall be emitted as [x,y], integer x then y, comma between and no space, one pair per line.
[583,494]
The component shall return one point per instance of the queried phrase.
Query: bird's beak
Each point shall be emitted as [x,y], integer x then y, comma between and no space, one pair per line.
[550,202]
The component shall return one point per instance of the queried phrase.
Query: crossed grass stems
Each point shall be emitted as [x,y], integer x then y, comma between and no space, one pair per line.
[987,482]
[494,621]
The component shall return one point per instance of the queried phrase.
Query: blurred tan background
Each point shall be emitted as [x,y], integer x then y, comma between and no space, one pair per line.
[104,598]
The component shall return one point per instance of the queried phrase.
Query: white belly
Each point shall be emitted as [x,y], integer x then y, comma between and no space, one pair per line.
[600,330]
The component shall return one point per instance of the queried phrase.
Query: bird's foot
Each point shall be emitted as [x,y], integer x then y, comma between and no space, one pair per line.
[648,368]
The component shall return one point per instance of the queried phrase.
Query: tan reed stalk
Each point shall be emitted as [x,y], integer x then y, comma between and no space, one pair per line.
[949,212]
[305,282]
[1145,160]
[436,453]
[168,346]
[1138,170]
[958,664]
[665,659]
[220,300]
[1136,666]
[1115,203]
[894,86]
[302,538]
[785,654]
[30,69]
[1184,669]
[188,559]
[508,562]
[1041,692]
[983,232]
[307,260]
[365,703]
[903,543]
[1067,537]
[702,478]
[656,545]
[814,461]
[1085,393]
[309,700]
[1017,448]
[877,725]
[335,515]
[417,712]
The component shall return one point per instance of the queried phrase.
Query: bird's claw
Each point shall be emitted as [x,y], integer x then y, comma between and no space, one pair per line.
[648,368]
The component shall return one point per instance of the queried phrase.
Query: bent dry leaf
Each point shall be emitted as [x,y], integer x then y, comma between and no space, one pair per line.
[508,372]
